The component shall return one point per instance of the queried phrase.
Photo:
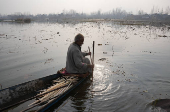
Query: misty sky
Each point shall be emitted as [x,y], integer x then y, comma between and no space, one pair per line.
[86,6]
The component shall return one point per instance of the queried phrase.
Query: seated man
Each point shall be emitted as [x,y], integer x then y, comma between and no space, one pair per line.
[76,61]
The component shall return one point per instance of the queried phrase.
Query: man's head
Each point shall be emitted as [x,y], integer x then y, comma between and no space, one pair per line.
[79,39]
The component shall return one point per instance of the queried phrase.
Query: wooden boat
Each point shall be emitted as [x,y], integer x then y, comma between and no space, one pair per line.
[18,94]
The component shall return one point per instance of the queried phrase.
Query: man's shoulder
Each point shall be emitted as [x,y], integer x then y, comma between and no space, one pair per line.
[73,47]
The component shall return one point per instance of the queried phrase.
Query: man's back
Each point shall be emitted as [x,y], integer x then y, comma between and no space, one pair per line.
[74,59]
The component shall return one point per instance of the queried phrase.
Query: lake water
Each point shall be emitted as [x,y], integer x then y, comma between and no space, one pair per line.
[132,63]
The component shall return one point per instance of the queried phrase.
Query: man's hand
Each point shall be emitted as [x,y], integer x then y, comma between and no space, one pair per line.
[89,53]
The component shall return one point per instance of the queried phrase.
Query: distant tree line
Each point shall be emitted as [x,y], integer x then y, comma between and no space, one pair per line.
[117,14]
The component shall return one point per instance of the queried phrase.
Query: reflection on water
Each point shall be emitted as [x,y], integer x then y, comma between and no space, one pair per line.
[131,62]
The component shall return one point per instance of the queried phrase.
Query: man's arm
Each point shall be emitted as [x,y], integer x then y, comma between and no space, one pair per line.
[85,54]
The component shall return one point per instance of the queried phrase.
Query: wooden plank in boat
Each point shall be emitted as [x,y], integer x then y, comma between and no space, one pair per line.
[56,100]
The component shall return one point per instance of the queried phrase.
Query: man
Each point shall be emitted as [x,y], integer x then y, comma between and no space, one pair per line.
[76,61]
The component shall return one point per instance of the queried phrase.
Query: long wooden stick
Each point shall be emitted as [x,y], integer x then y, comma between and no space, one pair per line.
[93,60]
[90,56]
[63,90]
[93,51]
[67,88]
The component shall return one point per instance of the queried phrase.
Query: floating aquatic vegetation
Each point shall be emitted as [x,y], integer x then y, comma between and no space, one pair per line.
[11,52]
[39,41]
[121,66]
[162,36]
[149,51]
[128,80]
[44,39]
[2,34]
[49,60]
[45,50]
[102,59]
[68,40]
[42,30]
[145,91]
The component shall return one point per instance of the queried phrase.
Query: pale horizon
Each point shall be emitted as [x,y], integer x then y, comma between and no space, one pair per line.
[8,7]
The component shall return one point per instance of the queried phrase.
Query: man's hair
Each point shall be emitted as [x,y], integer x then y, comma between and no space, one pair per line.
[78,37]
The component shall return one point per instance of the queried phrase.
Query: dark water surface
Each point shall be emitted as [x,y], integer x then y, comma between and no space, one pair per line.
[134,71]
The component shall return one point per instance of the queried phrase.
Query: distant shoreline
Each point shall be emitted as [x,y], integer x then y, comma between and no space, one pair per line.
[116,21]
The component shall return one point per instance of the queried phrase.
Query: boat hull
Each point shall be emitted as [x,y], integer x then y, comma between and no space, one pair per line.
[18,92]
